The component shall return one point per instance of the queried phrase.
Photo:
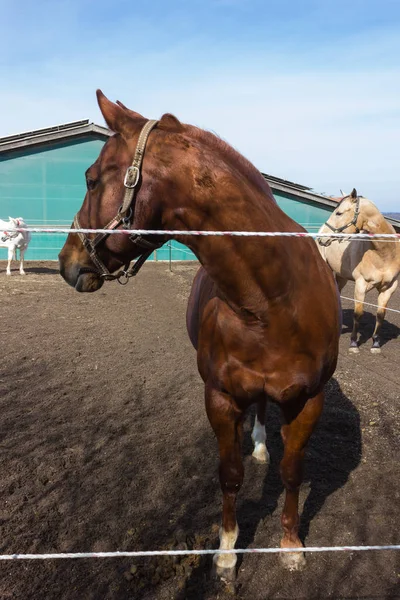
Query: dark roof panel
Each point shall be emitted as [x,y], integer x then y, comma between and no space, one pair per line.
[39,132]
[286,182]
[48,135]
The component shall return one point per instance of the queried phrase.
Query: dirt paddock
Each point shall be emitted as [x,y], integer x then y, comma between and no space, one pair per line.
[105,445]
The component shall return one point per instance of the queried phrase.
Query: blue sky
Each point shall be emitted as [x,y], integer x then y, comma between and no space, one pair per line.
[307,90]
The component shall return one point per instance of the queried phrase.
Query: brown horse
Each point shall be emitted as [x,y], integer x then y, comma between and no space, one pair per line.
[369,263]
[263,313]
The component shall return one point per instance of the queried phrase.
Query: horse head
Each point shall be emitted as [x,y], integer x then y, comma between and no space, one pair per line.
[346,218]
[163,175]
[121,193]
[17,222]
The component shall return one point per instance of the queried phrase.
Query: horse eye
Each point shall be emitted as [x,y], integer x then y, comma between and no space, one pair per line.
[90,183]
[338,214]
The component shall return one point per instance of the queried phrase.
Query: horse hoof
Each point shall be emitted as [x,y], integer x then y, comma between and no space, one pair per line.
[220,572]
[261,454]
[375,350]
[293,561]
[354,349]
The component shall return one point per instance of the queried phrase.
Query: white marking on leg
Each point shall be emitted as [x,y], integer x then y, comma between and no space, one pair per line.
[227,542]
[293,561]
[21,262]
[10,255]
[259,438]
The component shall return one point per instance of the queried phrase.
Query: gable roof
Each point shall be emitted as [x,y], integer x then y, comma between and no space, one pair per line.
[301,191]
[295,189]
[65,131]
[79,129]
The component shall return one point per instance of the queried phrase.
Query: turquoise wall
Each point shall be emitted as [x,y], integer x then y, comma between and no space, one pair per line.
[46,186]
[305,212]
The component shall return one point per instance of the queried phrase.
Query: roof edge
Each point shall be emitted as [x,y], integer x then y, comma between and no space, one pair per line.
[294,189]
[42,137]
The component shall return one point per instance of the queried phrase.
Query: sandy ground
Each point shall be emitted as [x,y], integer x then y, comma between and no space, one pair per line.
[105,445]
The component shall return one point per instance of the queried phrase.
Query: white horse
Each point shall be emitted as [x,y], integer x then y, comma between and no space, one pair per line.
[369,263]
[14,240]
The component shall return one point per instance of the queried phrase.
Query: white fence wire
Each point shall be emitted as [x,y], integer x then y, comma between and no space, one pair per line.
[388,237]
[148,553]
[178,232]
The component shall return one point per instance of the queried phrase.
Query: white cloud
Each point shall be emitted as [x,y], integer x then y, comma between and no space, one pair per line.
[329,121]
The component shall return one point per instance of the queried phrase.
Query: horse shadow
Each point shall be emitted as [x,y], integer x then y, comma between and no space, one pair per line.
[389,331]
[35,270]
[43,270]
[333,452]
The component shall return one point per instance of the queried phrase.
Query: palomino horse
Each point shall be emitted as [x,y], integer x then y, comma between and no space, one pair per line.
[14,240]
[263,314]
[370,263]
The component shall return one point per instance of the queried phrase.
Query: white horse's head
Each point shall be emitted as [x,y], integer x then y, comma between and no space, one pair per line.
[17,222]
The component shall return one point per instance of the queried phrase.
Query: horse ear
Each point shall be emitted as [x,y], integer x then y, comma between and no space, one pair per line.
[114,115]
[170,123]
[131,113]
[353,194]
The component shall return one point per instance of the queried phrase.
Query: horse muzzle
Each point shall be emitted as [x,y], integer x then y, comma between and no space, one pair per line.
[80,277]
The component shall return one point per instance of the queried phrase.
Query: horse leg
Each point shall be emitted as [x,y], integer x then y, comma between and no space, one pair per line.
[227,422]
[383,300]
[9,256]
[21,262]
[258,435]
[341,282]
[299,424]
[359,296]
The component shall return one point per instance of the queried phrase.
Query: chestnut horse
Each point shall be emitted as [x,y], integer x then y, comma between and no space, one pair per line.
[263,313]
[370,263]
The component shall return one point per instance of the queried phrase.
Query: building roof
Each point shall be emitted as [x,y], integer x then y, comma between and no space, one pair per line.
[301,191]
[78,129]
[394,222]
[38,137]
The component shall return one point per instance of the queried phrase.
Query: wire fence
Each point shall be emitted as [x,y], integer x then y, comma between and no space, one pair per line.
[179,232]
[394,310]
[61,229]
[392,237]
[205,552]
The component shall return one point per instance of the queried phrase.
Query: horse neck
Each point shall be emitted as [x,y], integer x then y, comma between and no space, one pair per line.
[246,270]
[375,222]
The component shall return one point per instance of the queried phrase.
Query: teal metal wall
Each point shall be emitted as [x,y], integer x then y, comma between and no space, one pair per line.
[46,186]
[305,212]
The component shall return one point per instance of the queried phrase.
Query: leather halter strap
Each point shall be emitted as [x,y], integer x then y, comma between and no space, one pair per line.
[123,216]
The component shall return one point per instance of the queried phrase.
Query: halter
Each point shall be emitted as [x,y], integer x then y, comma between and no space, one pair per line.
[352,222]
[124,216]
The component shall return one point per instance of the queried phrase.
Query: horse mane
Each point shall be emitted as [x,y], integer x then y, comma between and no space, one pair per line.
[169,122]
[382,225]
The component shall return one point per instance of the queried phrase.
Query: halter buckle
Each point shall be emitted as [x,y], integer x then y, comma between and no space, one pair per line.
[131,177]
